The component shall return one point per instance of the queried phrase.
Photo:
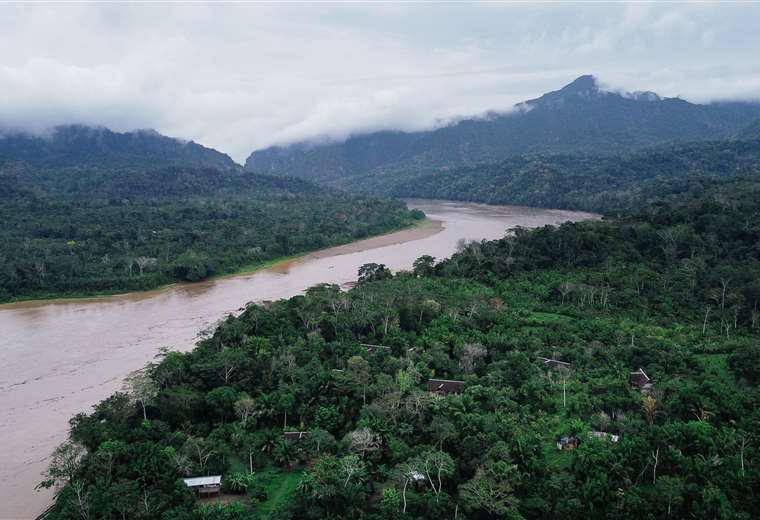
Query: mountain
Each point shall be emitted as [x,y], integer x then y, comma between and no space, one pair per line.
[83,146]
[580,117]
[589,182]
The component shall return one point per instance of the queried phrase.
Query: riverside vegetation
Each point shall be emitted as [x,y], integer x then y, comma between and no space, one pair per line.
[672,288]
[81,230]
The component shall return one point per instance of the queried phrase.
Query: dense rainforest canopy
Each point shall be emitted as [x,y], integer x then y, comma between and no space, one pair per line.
[543,329]
[579,181]
[84,230]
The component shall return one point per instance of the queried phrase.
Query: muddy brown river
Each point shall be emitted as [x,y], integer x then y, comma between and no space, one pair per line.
[59,357]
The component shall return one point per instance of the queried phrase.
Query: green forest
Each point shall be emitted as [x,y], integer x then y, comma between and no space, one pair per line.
[604,369]
[71,231]
[574,181]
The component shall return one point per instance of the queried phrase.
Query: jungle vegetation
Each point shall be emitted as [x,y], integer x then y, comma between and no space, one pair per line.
[83,230]
[590,182]
[672,289]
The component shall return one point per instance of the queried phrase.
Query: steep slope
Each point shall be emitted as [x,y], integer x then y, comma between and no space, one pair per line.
[579,117]
[81,146]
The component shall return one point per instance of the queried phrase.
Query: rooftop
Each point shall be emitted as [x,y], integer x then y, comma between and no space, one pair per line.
[203,481]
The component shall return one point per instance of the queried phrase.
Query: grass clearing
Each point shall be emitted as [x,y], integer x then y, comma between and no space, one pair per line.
[280,485]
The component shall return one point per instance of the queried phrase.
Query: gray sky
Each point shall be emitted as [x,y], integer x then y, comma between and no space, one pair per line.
[240,77]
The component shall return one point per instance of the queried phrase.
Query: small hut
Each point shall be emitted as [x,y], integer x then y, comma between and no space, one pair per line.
[444,386]
[294,436]
[374,348]
[205,486]
[568,443]
[554,363]
[604,436]
[640,381]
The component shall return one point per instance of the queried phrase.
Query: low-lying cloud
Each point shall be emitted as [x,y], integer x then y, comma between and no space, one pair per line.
[243,77]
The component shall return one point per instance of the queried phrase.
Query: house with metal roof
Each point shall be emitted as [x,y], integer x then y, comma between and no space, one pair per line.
[205,486]
[641,381]
[294,436]
[444,386]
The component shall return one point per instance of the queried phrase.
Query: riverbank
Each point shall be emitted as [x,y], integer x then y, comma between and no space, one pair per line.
[415,231]
[60,357]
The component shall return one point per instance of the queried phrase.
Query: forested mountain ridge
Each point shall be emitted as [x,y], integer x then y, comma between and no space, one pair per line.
[545,330]
[578,181]
[580,117]
[82,146]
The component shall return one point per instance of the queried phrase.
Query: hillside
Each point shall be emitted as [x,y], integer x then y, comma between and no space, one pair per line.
[579,181]
[751,132]
[83,146]
[604,370]
[580,117]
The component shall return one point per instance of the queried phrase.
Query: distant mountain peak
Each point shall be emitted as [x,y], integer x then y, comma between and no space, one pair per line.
[583,116]
[583,88]
[582,84]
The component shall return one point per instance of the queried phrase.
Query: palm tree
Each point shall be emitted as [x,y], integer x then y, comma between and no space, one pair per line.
[285,454]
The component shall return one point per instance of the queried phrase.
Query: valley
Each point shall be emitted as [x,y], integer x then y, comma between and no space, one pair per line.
[551,311]
[60,357]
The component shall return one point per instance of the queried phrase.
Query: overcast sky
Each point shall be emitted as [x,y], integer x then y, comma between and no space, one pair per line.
[240,77]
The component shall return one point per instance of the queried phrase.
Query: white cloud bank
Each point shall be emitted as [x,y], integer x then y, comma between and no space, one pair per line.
[240,77]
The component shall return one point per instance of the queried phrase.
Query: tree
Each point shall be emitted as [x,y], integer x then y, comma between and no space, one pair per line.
[352,466]
[108,452]
[64,465]
[408,472]
[358,371]
[228,361]
[391,503]
[285,453]
[222,400]
[320,439]
[672,490]
[364,440]
[191,266]
[565,288]
[473,352]
[178,460]
[244,407]
[286,401]
[201,450]
[565,373]
[142,389]
[82,494]
[143,262]
[125,495]
[424,266]
[491,490]
[442,430]
[373,273]
[436,465]
[649,406]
